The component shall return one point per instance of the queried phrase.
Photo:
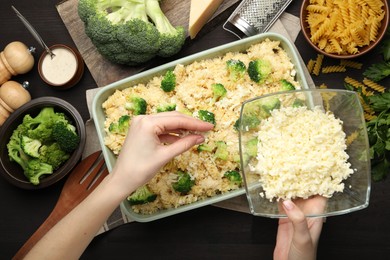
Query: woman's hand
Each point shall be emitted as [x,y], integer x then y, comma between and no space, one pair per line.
[297,237]
[151,142]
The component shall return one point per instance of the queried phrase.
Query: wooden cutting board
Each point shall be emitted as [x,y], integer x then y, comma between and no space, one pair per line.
[105,72]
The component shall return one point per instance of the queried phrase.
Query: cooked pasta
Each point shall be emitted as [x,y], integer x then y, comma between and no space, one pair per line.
[342,27]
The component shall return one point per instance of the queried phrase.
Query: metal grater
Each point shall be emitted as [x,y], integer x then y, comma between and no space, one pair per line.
[255,16]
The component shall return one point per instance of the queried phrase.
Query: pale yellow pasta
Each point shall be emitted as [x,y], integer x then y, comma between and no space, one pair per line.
[353,82]
[318,64]
[310,65]
[333,69]
[351,64]
[374,85]
[344,26]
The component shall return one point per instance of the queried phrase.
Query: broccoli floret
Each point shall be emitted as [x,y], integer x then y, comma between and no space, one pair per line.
[236,69]
[123,33]
[121,126]
[171,38]
[298,103]
[251,147]
[35,169]
[166,108]
[168,83]
[233,176]
[205,148]
[221,152]
[66,136]
[183,183]
[286,85]
[53,155]
[259,70]
[30,146]
[206,116]
[141,195]
[270,104]
[137,105]
[219,91]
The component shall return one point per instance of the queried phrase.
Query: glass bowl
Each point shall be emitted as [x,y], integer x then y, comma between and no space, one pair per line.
[345,106]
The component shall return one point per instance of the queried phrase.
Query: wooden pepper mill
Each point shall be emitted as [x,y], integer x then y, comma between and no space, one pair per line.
[12,96]
[16,58]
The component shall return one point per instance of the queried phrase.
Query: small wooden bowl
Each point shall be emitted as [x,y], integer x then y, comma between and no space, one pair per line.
[64,70]
[362,50]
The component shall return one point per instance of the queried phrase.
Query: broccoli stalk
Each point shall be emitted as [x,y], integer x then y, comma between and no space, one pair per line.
[205,148]
[171,38]
[35,169]
[141,195]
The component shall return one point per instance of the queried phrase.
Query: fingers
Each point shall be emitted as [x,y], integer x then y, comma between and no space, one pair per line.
[297,217]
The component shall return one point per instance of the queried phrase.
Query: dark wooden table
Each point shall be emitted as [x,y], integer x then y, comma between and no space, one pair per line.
[205,233]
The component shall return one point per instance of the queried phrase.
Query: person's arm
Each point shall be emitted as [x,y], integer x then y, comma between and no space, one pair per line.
[149,145]
[298,236]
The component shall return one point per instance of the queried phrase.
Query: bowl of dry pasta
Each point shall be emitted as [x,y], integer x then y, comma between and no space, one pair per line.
[344,29]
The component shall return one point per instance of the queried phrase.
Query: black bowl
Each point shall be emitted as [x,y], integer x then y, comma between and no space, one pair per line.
[11,171]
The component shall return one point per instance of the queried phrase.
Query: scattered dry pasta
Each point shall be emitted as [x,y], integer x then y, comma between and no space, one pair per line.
[374,85]
[310,65]
[318,64]
[351,64]
[353,82]
[341,27]
[352,137]
[334,68]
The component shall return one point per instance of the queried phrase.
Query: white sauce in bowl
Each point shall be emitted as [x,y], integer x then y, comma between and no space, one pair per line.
[61,68]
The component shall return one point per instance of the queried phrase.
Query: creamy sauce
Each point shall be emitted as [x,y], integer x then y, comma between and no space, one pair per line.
[61,68]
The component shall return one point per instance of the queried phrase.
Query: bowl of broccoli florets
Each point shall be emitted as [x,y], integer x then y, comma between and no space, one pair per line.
[41,142]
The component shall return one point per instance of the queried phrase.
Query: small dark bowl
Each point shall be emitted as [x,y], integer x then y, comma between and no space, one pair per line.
[11,171]
[362,50]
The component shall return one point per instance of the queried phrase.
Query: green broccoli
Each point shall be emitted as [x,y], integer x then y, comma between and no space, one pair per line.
[137,105]
[206,116]
[204,148]
[66,136]
[221,152]
[121,126]
[286,85]
[166,108]
[251,147]
[298,103]
[183,183]
[233,176]
[35,169]
[53,155]
[141,195]
[30,146]
[219,91]
[236,69]
[168,83]
[259,70]
[171,38]
[122,32]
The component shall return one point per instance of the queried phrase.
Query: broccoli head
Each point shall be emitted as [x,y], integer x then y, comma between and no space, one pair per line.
[168,83]
[233,176]
[183,183]
[221,152]
[137,105]
[286,85]
[166,108]
[219,91]
[35,169]
[53,155]
[298,103]
[236,69]
[251,147]
[205,148]
[123,33]
[66,136]
[259,70]
[206,116]
[30,146]
[270,104]
[171,38]
[141,195]
[121,126]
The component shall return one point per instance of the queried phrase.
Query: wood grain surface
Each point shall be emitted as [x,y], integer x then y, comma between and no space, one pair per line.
[105,72]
